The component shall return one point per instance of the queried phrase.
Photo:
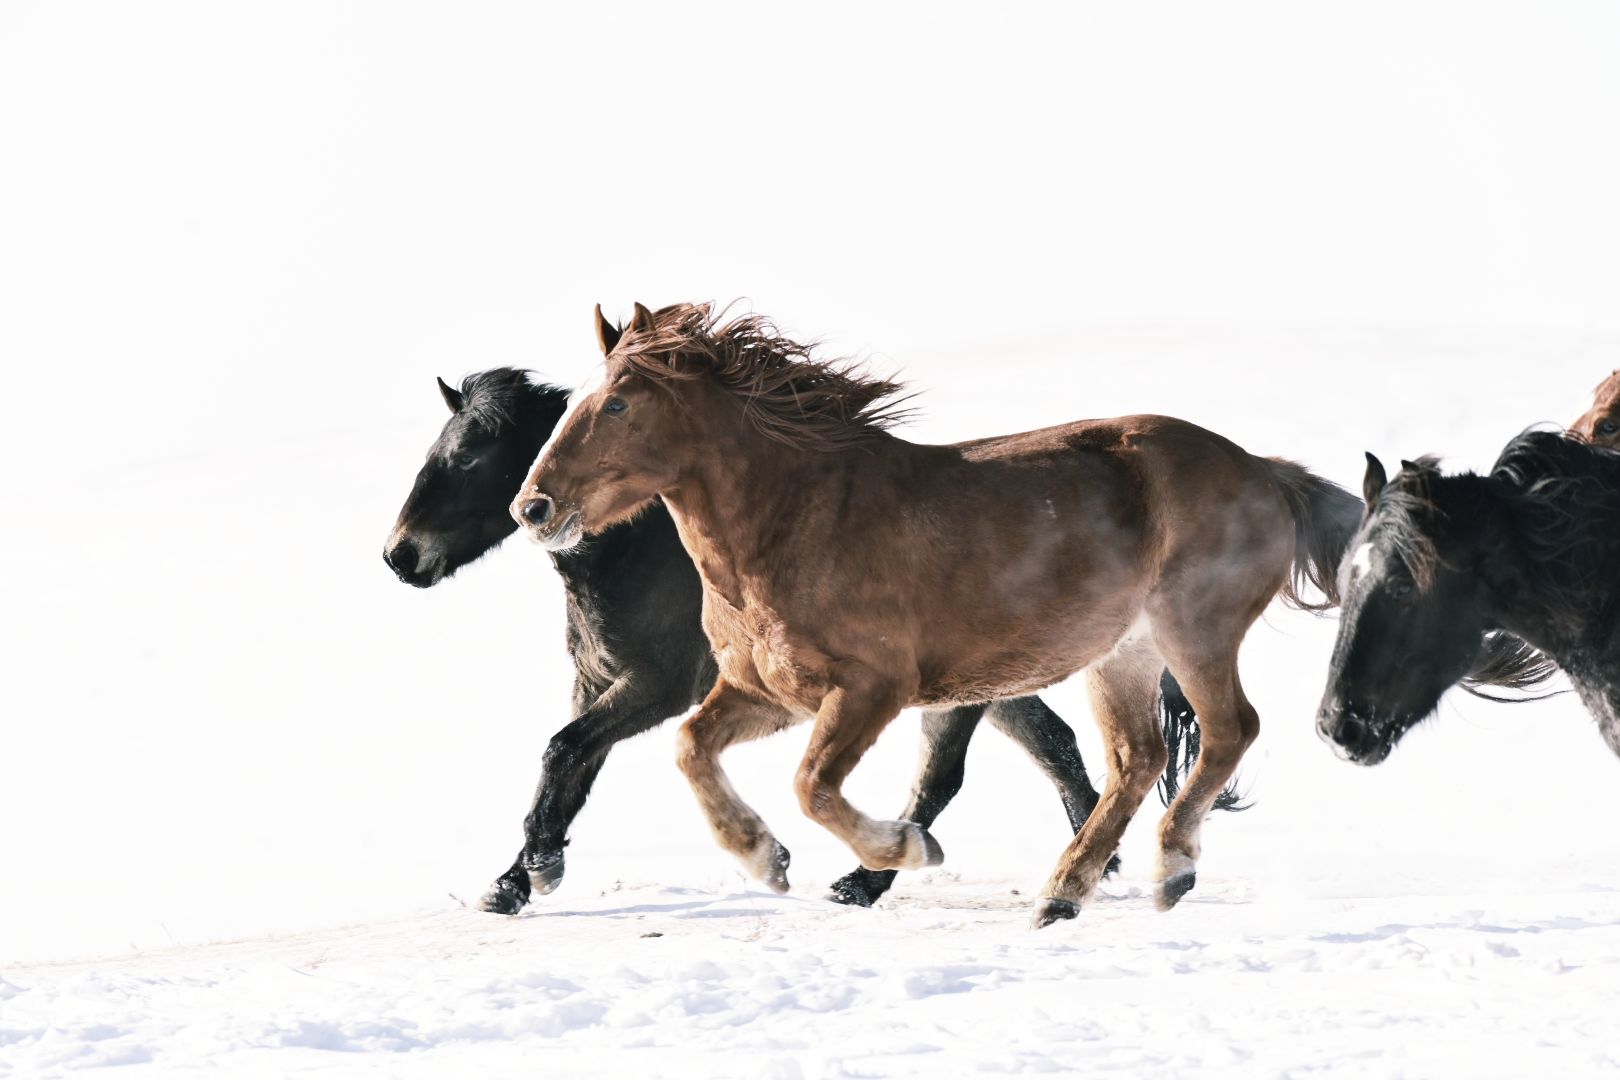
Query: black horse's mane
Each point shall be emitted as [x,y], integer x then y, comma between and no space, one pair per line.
[1560,500]
[1563,497]
[498,397]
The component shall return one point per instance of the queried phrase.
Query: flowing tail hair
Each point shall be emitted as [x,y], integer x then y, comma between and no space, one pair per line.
[1325,518]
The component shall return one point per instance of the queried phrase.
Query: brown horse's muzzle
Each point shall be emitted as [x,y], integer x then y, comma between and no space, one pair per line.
[545,522]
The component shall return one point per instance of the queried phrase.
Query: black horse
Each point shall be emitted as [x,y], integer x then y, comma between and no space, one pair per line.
[635,633]
[1523,563]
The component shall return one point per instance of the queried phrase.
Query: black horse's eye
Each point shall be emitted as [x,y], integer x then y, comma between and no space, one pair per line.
[1608,427]
[466,461]
[1401,590]
[614,406]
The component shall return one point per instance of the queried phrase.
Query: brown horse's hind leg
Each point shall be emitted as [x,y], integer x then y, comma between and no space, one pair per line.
[1123,688]
[847,724]
[729,716]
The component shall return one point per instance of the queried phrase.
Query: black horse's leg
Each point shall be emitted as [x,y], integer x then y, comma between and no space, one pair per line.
[572,760]
[1049,742]
[946,733]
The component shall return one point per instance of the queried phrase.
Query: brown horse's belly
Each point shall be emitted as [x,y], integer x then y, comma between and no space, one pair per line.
[1014,672]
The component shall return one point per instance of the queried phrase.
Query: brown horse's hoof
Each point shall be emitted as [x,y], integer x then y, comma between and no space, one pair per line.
[933,854]
[1050,909]
[773,868]
[1170,891]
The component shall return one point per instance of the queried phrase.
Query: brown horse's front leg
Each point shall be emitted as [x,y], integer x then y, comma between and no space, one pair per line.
[729,716]
[849,721]
[1123,689]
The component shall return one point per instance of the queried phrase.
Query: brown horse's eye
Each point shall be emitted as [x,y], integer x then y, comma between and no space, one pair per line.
[1608,427]
[614,406]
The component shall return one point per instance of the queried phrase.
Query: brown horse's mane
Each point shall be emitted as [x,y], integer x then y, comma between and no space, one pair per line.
[789,395]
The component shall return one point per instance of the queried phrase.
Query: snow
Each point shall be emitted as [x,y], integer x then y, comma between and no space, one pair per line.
[245,773]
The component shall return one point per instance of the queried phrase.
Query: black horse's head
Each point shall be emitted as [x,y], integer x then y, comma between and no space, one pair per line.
[1415,617]
[457,510]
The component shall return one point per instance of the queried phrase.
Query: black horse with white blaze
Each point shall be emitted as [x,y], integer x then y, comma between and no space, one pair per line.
[1522,564]
[635,632]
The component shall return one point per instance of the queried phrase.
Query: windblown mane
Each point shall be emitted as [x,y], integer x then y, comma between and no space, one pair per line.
[1565,499]
[788,394]
[495,398]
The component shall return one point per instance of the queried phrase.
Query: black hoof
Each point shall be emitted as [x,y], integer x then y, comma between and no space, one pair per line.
[545,871]
[1112,868]
[933,854]
[1050,910]
[503,898]
[1171,891]
[861,887]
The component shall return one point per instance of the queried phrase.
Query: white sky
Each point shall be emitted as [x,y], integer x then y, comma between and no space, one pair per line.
[293,204]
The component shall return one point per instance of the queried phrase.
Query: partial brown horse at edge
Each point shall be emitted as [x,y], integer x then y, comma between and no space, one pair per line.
[848,573]
[1601,423]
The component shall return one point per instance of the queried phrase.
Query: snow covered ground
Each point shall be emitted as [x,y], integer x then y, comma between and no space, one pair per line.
[245,775]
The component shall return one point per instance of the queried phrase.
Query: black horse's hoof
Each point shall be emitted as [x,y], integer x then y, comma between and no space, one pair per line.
[502,899]
[1171,890]
[1050,909]
[545,871]
[861,887]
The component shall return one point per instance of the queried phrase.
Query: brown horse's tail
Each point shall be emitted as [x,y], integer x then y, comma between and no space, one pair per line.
[1325,518]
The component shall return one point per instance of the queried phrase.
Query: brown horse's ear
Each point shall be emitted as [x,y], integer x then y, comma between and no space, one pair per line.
[1373,483]
[642,321]
[607,335]
[452,396]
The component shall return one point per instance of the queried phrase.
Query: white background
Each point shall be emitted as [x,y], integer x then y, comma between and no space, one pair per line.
[238,242]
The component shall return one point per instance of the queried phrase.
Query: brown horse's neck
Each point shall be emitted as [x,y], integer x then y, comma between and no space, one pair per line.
[733,504]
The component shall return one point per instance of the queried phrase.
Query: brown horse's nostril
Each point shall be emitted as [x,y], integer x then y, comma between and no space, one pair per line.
[402,557]
[537,511]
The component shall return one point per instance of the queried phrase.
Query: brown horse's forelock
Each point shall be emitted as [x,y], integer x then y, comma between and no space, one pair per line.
[788,394]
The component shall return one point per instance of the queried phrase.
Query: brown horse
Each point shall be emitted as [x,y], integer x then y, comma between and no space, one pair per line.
[1601,423]
[848,574]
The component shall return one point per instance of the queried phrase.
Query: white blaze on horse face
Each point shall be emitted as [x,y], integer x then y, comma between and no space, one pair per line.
[1361,561]
[576,398]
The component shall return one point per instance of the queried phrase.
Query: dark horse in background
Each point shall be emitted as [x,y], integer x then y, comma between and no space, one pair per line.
[1531,549]
[634,631]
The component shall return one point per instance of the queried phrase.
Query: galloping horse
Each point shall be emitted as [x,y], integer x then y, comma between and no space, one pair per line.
[1532,549]
[635,633]
[848,573]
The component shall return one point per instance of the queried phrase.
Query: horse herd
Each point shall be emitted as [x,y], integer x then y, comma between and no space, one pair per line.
[738,529]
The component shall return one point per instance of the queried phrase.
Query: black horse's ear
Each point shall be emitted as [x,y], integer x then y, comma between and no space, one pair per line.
[1373,483]
[452,396]
[607,335]
[642,321]
[1410,466]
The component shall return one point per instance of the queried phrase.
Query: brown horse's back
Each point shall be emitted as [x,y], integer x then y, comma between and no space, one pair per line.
[1074,528]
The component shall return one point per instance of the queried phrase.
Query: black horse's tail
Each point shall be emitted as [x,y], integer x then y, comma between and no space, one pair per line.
[1326,517]
[1181,738]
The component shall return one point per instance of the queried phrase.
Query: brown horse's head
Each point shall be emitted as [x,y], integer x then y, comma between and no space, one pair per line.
[678,387]
[1601,423]
[608,457]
